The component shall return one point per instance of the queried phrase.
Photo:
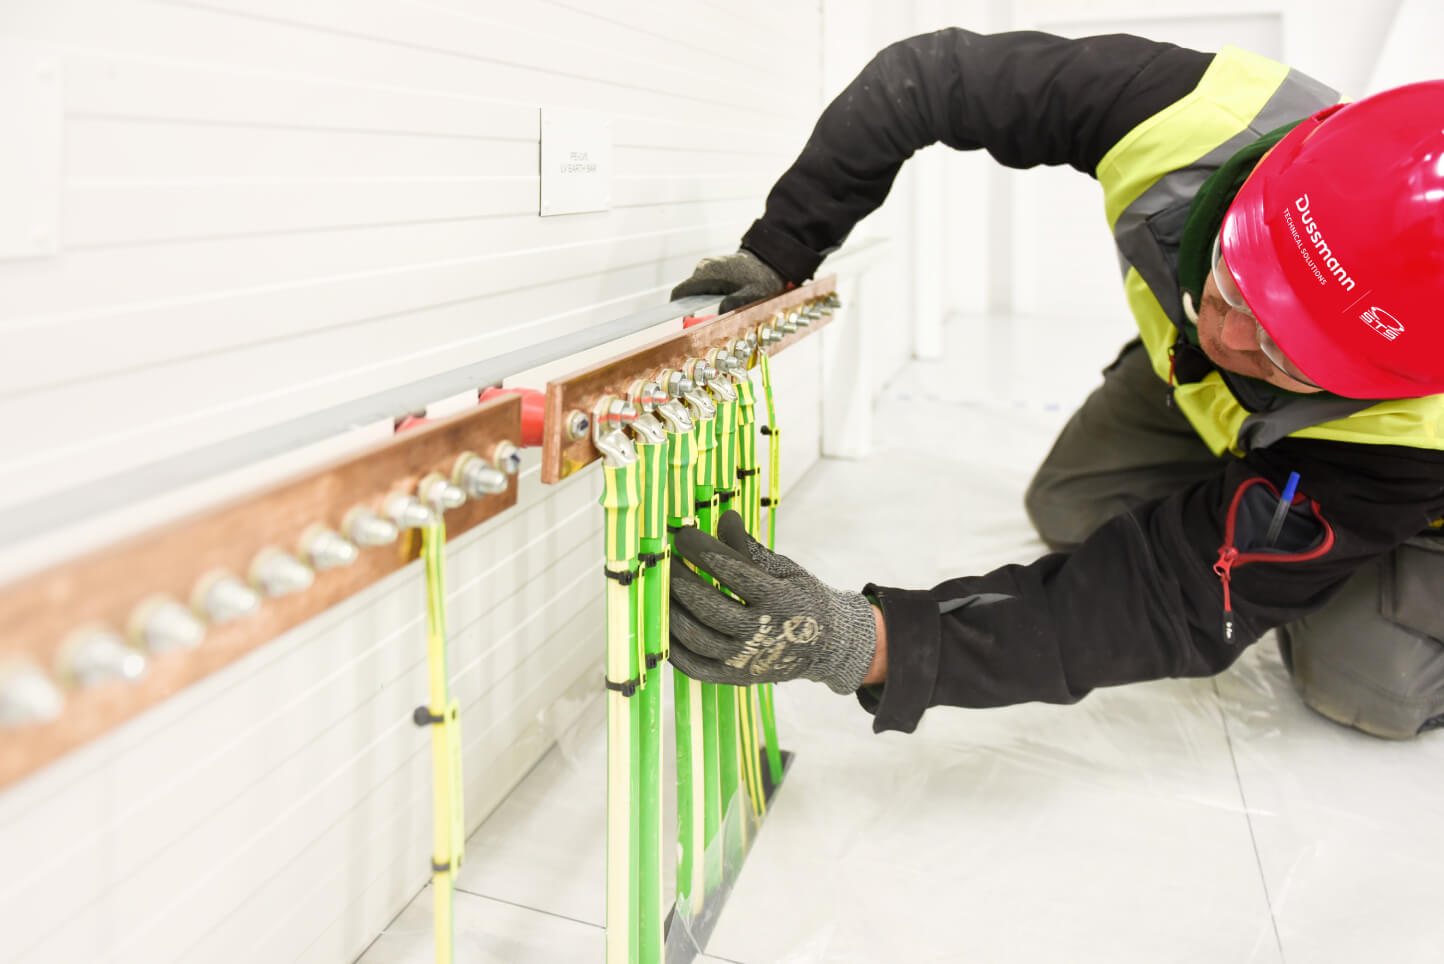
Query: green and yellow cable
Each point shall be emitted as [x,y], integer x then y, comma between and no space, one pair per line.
[651,441]
[705,503]
[749,507]
[767,335]
[724,458]
[683,418]
[442,714]
[621,500]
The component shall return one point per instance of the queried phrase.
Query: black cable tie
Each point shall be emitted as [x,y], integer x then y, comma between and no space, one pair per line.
[767,503]
[624,578]
[748,473]
[440,868]
[650,559]
[627,688]
[724,496]
[769,430]
[424,717]
[653,659]
[704,504]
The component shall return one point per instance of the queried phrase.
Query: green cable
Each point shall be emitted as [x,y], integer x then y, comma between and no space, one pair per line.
[652,449]
[706,507]
[729,730]
[687,696]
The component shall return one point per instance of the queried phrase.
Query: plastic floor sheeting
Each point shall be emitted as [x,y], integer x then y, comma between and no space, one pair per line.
[1208,821]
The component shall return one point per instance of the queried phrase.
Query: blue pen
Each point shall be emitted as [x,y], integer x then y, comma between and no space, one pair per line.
[1276,524]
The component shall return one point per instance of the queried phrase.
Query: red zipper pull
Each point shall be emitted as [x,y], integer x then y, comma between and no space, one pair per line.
[1224,569]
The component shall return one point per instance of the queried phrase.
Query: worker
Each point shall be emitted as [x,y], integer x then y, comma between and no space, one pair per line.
[1283,257]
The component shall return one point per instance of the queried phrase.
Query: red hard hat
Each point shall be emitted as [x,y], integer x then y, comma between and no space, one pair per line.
[1337,243]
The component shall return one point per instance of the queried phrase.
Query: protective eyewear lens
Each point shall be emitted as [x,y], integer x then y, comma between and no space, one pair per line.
[1228,290]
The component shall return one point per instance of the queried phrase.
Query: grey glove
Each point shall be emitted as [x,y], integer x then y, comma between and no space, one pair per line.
[788,625]
[742,277]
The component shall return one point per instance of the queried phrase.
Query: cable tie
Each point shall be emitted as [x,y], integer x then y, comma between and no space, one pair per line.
[650,559]
[440,868]
[769,430]
[748,473]
[624,577]
[653,659]
[627,688]
[724,496]
[769,503]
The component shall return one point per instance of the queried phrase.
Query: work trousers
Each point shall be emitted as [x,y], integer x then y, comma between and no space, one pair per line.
[1370,658]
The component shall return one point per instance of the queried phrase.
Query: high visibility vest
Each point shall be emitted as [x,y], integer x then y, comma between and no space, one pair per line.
[1149,179]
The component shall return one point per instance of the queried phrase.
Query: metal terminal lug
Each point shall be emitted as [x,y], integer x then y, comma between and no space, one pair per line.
[367,529]
[160,625]
[578,425]
[27,695]
[647,430]
[813,311]
[801,318]
[831,301]
[476,478]
[440,494]
[612,415]
[788,325]
[506,457]
[325,548]
[699,405]
[674,416]
[276,572]
[408,512]
[95,655]
[220,598]
[722,387]
[766,335]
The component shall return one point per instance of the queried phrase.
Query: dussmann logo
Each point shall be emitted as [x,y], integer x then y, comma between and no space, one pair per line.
[1382,322]
[1316,237]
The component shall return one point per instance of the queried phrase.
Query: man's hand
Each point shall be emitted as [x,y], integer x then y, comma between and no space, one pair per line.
[787,624]
[742,277]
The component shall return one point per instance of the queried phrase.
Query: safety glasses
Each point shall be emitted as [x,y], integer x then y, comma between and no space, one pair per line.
[1228,289]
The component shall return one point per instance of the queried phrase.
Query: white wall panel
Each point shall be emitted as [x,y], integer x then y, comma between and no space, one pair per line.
[274,206]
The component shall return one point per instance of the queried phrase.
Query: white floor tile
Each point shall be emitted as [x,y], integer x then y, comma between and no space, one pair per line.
[1347,825]
[487,932]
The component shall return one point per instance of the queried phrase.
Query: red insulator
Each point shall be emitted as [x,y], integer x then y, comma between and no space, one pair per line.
[691,320]
[533,412]
[410,422]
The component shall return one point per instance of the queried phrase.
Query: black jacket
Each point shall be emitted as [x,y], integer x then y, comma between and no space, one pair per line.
[1143,597]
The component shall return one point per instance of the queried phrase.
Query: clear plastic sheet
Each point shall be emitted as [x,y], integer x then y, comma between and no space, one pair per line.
[1200,820]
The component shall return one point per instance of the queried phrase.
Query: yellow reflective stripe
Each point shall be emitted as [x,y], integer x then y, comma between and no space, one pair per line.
[1233,90]
[1418,422]
[1217,416]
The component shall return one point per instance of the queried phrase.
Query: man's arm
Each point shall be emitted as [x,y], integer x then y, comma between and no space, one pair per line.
[1027,98]
[1141,598]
